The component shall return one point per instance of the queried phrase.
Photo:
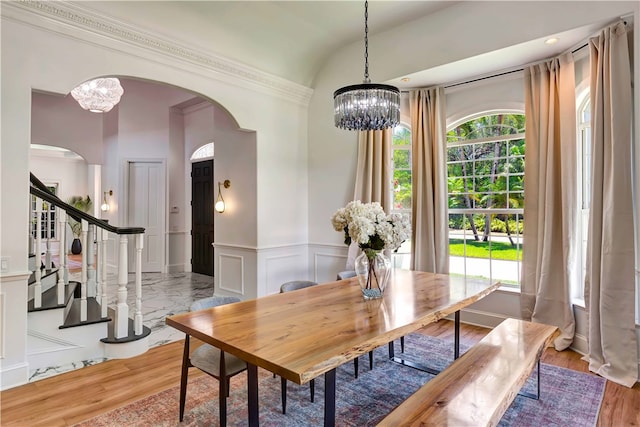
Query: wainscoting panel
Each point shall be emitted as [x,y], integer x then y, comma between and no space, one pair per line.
[326,266]
[327,261]
[231,273]
[284,267]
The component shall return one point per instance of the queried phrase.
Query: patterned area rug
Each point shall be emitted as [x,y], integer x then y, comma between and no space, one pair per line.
[567,397]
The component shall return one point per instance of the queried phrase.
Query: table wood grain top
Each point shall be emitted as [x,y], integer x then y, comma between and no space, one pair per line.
[302,334]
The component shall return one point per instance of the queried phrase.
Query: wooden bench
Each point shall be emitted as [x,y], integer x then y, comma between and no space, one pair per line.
[476,389]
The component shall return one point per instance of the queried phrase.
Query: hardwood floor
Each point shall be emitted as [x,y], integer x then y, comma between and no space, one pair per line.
[76,396]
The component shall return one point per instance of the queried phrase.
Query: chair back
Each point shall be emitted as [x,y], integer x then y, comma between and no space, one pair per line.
[296,284]
[346,274]
[212,302]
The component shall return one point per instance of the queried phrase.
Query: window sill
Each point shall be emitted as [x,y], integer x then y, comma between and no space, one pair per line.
[578,302]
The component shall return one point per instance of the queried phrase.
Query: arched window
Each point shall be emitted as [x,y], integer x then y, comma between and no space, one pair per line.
[204,152]
[485,180]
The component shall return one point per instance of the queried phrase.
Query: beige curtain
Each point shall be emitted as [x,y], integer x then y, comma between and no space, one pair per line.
[373,175]
[430,221]
[609,283]
[374,171]
[548,261]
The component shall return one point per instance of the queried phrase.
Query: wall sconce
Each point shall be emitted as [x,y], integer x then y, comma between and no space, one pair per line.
[105,204]
[220,201]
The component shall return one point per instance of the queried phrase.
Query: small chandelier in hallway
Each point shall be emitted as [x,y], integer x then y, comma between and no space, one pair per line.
[367,106]
[98,95]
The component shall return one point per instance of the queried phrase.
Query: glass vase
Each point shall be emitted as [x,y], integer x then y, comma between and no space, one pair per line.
[373,269]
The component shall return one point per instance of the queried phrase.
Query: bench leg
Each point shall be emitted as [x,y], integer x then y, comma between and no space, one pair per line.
[531,395]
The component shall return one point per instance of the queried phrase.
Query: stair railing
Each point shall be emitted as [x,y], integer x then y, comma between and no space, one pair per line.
[94,231]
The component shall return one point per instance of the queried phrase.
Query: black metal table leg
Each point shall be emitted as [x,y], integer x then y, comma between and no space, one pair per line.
[330,398]
[252,391]
[183,376]
[456,336]
[423,367]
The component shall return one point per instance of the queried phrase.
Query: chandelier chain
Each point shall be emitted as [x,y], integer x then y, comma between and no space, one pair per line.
[366,41]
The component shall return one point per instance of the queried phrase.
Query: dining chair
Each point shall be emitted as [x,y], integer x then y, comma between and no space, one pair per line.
[210,360]
[347,274]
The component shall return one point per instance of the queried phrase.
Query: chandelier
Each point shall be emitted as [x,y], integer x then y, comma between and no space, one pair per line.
[366,106]
[99,95]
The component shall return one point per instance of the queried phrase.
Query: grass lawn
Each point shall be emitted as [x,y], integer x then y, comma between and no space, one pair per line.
[476,249]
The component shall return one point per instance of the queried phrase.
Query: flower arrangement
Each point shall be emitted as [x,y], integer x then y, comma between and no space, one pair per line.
[367,225]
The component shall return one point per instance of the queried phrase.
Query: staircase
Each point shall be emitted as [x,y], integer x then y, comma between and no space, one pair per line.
[69,320]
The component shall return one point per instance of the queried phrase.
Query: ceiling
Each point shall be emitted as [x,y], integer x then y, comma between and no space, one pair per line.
[293,39]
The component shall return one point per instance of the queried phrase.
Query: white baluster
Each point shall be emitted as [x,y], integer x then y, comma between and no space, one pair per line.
[138,317]
[64,254]
[61,255]
[91,256]
[37,288]
[122,309]
[47,255]
[104,237]
[98,271]
[83,279]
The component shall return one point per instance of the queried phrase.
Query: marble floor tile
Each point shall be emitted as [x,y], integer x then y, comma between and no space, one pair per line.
[162,295]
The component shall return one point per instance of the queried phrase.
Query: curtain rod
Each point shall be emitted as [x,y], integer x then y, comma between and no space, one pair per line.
[517,70]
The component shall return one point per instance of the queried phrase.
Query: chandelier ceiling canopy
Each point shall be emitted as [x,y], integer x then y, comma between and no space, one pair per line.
[98,95]
[367,106]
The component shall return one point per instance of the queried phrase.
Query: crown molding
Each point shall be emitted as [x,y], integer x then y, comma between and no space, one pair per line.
[74,16]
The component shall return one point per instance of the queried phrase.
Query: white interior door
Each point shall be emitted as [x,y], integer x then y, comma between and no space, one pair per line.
[147,209]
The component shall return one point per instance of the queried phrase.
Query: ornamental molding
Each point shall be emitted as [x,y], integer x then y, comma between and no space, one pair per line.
[81,18]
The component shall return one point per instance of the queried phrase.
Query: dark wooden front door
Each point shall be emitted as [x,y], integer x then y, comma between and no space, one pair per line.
[202,193]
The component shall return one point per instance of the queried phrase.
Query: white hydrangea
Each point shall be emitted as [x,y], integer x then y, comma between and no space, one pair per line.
[367,225]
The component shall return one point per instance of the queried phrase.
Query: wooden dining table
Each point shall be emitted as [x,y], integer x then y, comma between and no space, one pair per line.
[303,334]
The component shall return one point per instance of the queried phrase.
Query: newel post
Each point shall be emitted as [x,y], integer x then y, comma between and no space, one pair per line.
[121,329]
[138,317]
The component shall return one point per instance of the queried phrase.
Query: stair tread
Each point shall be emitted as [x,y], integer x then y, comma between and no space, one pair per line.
[94,314]
[50,298]
[45,273]
[131,336]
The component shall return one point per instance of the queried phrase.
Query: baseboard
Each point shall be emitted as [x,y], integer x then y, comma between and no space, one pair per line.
[14,375]
[580,345]
[483,319]
[175,268]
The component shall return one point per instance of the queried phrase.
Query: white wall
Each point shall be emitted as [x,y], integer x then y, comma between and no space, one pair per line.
[53,52]
[69,173]
[59,121]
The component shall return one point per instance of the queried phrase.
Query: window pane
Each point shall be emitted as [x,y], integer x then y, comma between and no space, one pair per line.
[402,189]
[401,159]
[401,136]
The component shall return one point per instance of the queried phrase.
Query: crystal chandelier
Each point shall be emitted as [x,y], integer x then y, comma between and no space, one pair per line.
[367,106]
[99,95]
